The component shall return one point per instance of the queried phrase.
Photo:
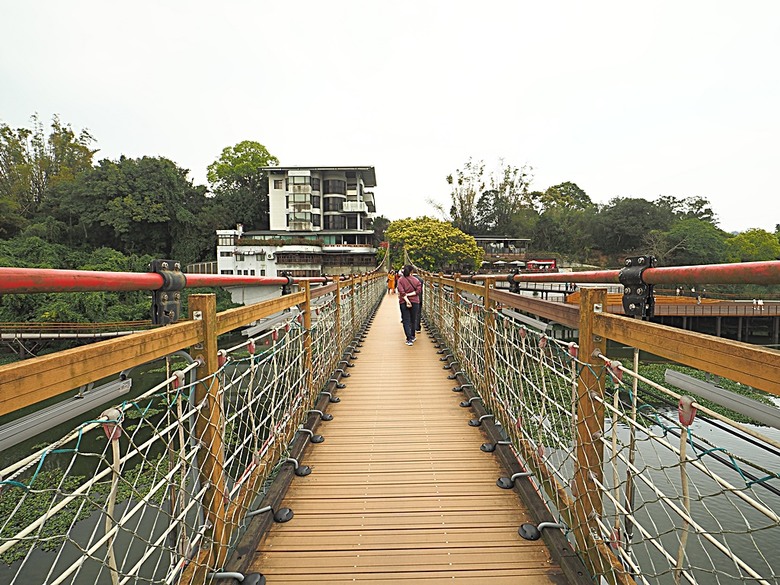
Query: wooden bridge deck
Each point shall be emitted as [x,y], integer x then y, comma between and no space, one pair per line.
[400,491]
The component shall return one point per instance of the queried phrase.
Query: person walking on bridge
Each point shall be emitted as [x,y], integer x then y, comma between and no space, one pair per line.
[409,293]
[391,282]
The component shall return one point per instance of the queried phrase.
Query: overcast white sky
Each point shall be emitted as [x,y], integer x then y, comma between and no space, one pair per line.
[631,99]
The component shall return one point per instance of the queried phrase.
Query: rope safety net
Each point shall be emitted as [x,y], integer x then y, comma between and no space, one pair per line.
[122,497]
[676,498]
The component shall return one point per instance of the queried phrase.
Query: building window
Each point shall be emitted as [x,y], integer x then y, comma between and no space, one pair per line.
[315,184]
[262,272]
[239,257]
[333,204]
[335,222]
[298,198]
[335,186]
[352,222]
[251,273]
[297,181]
[225,254]
[298,216]
[278,183]
[315,201]
[226,272]
[315,220]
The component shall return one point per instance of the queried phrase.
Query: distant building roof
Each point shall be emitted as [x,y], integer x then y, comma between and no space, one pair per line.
[367,173]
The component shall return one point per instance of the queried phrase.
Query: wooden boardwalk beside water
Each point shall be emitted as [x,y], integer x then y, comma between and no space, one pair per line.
[400,491]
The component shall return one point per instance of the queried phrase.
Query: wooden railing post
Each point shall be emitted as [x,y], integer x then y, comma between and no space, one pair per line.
[589,450]
[208,431]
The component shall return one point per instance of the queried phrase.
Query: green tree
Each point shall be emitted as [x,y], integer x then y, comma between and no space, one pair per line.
[379,225]
[240,186]
[688,208]
[138,206]
[689,242]
[486,203]
[623,224]
[566,195]
[434,245]
[32,164]
[566,231]
[753,245]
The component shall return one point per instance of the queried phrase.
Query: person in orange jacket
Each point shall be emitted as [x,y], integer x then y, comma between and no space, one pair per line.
[391,282]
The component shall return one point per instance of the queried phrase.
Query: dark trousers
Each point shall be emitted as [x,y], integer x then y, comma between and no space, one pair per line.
[409,316]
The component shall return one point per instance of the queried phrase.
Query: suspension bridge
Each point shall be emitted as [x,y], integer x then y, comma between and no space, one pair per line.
[321,448]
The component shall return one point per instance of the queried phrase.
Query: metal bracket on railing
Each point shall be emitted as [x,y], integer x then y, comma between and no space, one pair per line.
[638,300]
[312,437]
[330,396]
[166,301]
[346,364]
[342,372]
[449,365]
[326,416]
[249,579]
[281,515]
[467,403]
[490,447]
[287,288]
[507,483]
[300,470]
[455,375]
[477,422]
[534,532]
[337,383]
[461,387]
[514,286]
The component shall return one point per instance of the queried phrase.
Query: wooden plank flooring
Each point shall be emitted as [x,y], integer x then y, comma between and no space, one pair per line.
[400,491]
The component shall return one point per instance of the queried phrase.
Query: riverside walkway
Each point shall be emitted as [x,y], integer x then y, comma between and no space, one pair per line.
[400,490]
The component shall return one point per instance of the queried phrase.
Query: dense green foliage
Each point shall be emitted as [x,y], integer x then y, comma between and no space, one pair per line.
[563,220]
[59,209]
[240,185]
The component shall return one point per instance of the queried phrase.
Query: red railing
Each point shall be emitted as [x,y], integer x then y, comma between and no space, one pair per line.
[38,280]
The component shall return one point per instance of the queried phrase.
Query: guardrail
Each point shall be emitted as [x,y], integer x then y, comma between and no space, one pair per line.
[642,494]
[160,488]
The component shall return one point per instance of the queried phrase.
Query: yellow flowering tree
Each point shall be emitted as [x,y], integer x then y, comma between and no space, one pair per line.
[433,245]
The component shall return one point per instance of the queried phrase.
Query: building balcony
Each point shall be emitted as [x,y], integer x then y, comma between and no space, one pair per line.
[355,207]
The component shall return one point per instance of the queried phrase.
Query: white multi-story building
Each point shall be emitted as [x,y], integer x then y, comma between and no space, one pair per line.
[320,223]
